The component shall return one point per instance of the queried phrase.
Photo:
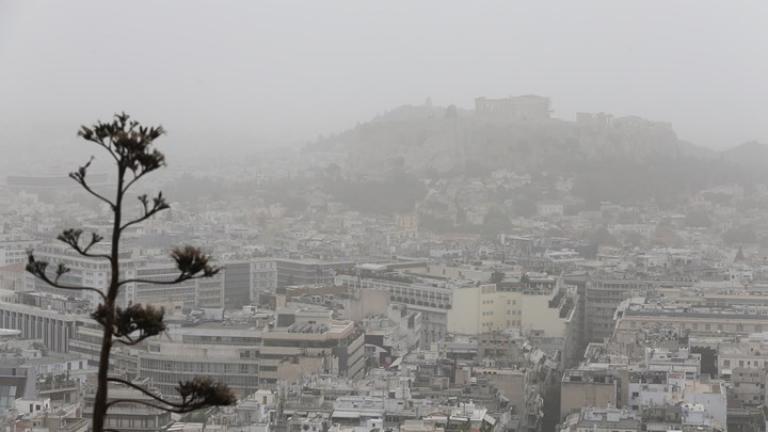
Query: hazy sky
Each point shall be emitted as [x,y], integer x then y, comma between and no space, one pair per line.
[225,73]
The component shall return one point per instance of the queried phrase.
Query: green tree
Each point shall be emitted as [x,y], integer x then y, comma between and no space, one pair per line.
[130,146]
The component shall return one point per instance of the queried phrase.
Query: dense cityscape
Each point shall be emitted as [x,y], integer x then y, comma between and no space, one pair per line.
[399,216]
[470,300]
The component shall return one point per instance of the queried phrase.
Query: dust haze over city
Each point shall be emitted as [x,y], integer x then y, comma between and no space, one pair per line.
[352,216]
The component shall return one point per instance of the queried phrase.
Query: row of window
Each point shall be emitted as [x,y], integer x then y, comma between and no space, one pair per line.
[200,367]
[746,363]
[758,328]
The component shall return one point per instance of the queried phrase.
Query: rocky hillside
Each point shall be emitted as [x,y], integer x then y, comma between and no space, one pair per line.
[444,140]
[609,158]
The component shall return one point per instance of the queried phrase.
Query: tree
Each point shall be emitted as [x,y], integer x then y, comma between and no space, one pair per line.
[497,277]
[698,218]
[495,222]
[130,146]
[743,234]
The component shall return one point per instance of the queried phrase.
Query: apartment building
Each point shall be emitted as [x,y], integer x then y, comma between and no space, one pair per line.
[748,387]
[84,271]
[192,293]
[13,249]
[655,388]
[748,352]
[308,271]
[592,386]
[214,352]
[680,360]
[245,280]
[263,277]
[602,419]
[432,299]
[131,417]
[248,357]
[483,309]
[603,294]
[684,318]
[311,333]
[52,327]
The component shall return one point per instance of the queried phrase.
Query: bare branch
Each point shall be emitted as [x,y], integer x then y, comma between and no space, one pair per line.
[200,392]
[79,177]
[192,264]
[179,279]
[129,341]
[38,268]
[135,178]
[158,204]
[113,402]
[180,410]
[142,390]
[90,135]
[72,238]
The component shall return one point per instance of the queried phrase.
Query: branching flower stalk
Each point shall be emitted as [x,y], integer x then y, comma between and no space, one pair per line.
[130,145]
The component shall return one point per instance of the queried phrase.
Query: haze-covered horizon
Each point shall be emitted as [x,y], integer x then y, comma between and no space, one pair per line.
[243,74]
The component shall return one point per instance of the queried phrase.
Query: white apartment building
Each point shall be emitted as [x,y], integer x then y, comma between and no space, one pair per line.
[13,249]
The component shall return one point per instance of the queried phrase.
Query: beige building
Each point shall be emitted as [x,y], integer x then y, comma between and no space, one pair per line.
[480,274]
[689,319]
[364,303]
[483,309]
[599,387]
[433,299]
[509,382]
[246,356]
[541,313]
